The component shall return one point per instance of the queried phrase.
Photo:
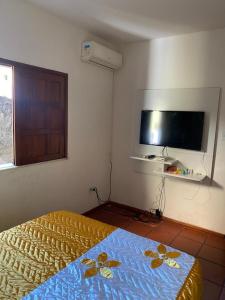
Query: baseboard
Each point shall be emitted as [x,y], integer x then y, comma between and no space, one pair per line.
[94,209]
[195,227]
[137,210]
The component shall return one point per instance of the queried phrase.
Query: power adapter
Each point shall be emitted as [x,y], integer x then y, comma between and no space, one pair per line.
[158,213]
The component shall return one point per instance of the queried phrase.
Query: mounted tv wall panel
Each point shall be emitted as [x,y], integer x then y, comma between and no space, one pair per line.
[197,99]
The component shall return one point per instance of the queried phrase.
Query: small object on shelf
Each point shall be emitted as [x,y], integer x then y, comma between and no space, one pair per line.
[192,177]
[172,169]
[179,171]
[149,156]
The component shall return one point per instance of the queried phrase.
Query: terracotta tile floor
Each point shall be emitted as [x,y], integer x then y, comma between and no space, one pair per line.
[209,248]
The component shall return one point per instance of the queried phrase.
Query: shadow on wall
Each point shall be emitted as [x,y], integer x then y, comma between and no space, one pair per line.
[128,186]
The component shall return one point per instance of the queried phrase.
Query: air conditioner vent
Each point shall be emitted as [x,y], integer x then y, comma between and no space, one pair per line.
[93,52]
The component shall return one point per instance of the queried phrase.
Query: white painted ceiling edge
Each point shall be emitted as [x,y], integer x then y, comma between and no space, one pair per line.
[135,20]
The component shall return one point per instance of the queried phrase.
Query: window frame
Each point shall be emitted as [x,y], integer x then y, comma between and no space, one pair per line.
[14,64]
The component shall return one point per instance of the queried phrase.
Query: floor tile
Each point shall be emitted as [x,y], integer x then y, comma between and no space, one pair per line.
[171,227]
[122,223]
[118,210]
[111,218]
[186,245]
[211,291]
[138,228]
[213,254]
[215,241]
[161,236]
[212,272]
[195,235]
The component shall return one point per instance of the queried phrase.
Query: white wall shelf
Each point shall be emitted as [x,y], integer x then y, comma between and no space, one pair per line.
[191,177]
[168,161]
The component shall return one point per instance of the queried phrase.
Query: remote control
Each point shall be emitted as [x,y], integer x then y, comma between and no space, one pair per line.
[150,156]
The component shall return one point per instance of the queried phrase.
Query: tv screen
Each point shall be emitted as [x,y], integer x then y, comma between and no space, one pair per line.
[177,129]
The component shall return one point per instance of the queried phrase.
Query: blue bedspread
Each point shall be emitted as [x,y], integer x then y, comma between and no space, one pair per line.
[122,266]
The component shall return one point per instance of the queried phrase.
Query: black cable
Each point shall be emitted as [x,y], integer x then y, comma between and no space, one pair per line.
[161,194]
[100,201]
[167,152]
[98,197]
[163,150]
[159,203]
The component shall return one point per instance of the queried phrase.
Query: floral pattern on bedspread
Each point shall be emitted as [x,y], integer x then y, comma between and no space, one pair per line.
[132,277]
[163,256]
[102,266]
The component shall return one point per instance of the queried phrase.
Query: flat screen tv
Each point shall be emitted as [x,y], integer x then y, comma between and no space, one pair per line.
[176,129]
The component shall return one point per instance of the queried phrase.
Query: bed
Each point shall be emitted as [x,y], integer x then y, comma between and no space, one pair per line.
[63,255]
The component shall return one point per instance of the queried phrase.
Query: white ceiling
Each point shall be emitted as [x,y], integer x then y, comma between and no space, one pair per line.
[132,20]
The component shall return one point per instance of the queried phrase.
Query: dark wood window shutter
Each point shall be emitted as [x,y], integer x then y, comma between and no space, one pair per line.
[40,114]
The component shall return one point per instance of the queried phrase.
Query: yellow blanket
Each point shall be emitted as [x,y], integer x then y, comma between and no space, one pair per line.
[36,250]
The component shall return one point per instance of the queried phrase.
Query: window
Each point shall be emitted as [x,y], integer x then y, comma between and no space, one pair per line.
[6,114]
[40,113]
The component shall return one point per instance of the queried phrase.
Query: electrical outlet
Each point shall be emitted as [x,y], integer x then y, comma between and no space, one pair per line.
[93,189]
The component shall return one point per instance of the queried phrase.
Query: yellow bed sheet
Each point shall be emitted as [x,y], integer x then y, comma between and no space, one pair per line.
[32,252]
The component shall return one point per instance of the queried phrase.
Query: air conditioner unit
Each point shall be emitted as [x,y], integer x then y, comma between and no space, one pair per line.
[93,52]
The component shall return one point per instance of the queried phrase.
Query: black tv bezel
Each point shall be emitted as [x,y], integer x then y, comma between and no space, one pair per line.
[161,145]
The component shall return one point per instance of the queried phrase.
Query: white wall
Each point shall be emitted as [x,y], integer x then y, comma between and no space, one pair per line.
[29,35]
[188,61]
